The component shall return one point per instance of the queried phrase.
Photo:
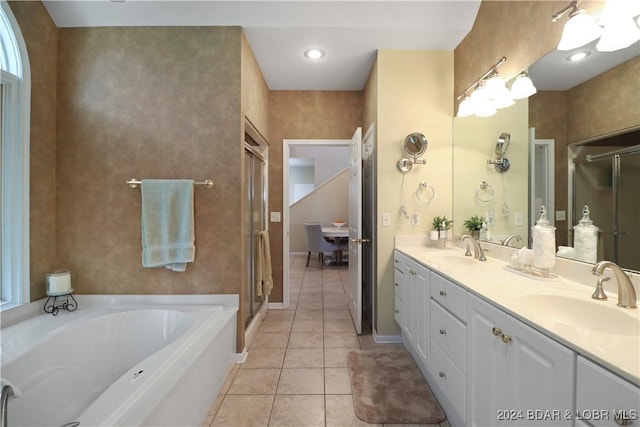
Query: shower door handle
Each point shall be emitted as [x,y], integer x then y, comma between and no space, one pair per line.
[359,240]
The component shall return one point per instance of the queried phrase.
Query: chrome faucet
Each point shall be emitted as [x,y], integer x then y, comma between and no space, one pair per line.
[510,237]
[478,252]
[7,392]
[626,291]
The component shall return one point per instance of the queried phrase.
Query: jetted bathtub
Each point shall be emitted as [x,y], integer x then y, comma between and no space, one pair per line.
[123,363]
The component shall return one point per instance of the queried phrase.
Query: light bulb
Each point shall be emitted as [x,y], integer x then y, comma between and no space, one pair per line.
[522,87]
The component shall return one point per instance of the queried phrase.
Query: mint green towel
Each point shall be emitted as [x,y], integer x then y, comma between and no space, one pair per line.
[167,223]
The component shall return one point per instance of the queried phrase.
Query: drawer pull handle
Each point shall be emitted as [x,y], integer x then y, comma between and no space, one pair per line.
[506,338]
[442,374]
[397,284]
[496,331]
[443,332]
[443,293]
[397,311]
[396,261]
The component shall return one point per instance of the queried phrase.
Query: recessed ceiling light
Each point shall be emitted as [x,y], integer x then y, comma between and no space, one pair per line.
[578,56]
[314,53]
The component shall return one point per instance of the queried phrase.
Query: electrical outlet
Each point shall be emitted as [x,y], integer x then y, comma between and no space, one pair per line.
[275,216]
[386,219]
[518,218]
[415,219]
[561,215]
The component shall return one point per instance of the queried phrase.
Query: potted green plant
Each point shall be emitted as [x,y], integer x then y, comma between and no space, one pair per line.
[474,225]
[440,225]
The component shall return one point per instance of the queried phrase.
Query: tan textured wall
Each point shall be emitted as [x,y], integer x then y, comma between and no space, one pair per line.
[371,98]
[41,38]
[147,102]
[607,103]
[255,93]
[413,95]
[303,115]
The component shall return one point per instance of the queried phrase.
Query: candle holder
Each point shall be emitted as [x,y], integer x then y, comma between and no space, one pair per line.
[57,301]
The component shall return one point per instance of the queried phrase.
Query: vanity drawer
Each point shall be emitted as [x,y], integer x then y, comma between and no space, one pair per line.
[398,311]
[449,295]
[450,334]
[597,388]
[450,380]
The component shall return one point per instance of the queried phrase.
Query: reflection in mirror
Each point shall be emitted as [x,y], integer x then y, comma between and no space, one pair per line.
[479,188]
[573,118]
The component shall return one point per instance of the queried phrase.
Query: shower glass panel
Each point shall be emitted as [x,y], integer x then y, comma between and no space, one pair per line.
[628,208]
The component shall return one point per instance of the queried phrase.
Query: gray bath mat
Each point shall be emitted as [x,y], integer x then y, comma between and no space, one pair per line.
[388,388]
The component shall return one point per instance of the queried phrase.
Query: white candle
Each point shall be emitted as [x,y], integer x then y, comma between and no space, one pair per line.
[59,282]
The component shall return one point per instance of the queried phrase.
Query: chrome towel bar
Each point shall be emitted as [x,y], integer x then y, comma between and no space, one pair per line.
[134,183]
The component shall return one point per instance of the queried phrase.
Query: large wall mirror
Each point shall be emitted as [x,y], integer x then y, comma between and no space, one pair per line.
[576,142]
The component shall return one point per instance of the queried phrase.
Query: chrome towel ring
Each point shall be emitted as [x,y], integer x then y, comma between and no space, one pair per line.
[484,192]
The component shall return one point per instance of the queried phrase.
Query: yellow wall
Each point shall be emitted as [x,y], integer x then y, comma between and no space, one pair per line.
[413,95]
[475,140]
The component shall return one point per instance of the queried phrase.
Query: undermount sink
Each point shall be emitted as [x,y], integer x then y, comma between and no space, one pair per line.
[584,314]
[458,261]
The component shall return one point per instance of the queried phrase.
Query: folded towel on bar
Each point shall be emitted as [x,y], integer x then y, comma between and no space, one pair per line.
[264,277]
[167,223]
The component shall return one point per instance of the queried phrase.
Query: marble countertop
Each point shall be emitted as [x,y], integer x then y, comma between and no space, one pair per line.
[516,294]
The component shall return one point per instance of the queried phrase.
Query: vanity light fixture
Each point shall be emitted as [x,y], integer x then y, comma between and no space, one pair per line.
[314,54]
[579,30]
[522,87]
[620,29]
[489,92]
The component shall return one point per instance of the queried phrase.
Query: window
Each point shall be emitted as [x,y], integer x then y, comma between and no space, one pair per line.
[15,94]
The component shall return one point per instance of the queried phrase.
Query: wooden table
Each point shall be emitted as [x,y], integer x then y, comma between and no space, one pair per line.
[337,234]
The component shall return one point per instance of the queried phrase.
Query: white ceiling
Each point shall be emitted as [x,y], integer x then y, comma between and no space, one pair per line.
[280,31]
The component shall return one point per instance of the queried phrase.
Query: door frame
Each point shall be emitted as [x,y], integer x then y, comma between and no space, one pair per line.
[550,178]
[286,146]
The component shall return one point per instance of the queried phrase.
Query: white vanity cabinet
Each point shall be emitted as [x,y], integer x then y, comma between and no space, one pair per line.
[515,374]
[603,398]
[412,306]
[448,352]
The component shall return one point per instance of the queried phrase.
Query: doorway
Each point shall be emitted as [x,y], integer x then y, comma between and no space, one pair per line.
[541,178]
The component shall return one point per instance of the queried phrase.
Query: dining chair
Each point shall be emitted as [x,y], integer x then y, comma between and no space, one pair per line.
[317,243]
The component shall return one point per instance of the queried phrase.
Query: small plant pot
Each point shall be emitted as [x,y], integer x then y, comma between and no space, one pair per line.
[475,234]
[444,234]
[434,235]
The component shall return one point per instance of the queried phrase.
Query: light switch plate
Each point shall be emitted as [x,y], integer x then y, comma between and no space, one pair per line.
[275,216]
[386,219]
[518,218]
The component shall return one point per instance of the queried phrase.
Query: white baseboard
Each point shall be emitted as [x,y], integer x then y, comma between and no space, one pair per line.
[242,357]
[386,339]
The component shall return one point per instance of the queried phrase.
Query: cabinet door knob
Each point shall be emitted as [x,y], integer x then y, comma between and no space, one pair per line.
[442,374]
[443,332]
[397,284]
[443,293]
[397,311]
[496,331]
[506,338]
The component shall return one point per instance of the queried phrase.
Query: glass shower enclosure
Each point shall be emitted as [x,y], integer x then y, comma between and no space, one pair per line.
[608,183]
[254,217]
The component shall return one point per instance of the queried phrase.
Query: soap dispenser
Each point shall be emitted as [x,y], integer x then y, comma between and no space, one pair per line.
[585,238]
[544,242]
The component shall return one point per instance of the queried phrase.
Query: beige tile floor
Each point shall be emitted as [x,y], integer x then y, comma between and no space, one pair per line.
[296,371]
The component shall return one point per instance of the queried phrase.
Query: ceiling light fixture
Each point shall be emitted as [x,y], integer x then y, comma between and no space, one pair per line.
[314,54]
[578,56]
[579,30]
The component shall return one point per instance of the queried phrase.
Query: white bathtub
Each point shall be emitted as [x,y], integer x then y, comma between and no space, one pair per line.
[123,363]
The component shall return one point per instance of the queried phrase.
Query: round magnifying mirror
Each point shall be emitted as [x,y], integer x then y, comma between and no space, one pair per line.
[415,144]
